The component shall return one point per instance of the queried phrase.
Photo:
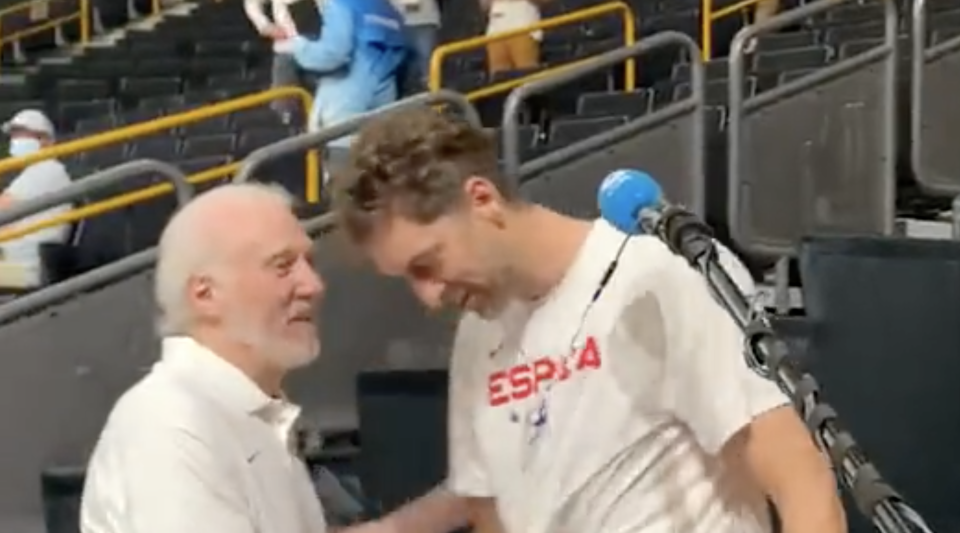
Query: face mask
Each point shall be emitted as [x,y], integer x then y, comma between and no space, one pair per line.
[22,146]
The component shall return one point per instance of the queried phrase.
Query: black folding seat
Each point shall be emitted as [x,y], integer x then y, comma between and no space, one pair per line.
[567,131]
[557,53]
[137,88]
[718,68]
[137,46]
[82,90]
[942,35]
[466,81]
[210,96]
[218,124]
[91,68]
[801,58]
[212,65]
[208,145]
[632,104]
[157,67]
[773,42]
[251,139]
[945,19]
[855,48]
[71,112]
[11,92]
[218,80]
[92,125]
[220,49]
[717,91]
[255,118]
[163,147]
[841,34]
[107,156]
[166,102]
[147,220]
[135,116]
[791,75]
[10,108]
[855,13]
[197,165]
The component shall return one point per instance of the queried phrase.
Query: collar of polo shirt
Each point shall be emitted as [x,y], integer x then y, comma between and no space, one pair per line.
[230,386]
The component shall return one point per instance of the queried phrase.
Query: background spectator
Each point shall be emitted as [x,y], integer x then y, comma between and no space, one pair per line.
[516,53]
[422,18]
[31,131]
[282,27]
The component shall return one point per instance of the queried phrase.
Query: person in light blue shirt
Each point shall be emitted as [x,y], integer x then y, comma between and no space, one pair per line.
[31,131]
[358,57]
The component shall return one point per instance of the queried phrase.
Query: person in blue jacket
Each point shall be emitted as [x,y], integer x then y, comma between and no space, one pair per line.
[358,59]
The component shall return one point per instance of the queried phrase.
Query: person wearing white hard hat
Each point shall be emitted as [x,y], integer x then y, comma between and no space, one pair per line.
[30,131]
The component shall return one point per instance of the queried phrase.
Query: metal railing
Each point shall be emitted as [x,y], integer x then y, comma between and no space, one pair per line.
[740,181]
[933,81]
[313,140]
[695,105]
[710,15]
[629,38]
[81,15]
[127,133]
[138,262]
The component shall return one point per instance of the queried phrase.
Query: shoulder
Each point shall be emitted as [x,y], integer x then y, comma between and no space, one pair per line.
[158,406]
[42,177]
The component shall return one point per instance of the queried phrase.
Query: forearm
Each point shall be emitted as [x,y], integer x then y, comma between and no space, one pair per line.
[438,511]
[254,11]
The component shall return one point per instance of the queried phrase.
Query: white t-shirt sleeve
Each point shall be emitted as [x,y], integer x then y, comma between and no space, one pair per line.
[467,474]
[169,480]
[707,382]
[37,180]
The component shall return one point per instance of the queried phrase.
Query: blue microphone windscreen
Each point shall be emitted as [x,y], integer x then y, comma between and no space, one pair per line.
[623,194]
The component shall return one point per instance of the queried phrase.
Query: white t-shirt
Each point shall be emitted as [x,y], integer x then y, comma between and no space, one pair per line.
[35,181]
[196,446]
[508,15]
[610,417]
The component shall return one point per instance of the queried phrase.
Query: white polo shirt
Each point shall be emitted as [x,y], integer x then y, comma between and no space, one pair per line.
[610,417]
[196,446]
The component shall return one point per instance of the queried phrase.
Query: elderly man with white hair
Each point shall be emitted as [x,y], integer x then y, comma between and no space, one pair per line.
[205,441]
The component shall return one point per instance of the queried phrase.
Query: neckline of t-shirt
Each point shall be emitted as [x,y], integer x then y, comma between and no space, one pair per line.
[581,263]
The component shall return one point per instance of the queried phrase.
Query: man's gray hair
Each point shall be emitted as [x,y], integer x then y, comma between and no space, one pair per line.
[188,247]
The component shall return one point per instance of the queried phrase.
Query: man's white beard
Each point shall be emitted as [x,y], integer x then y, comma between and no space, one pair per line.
[283,353]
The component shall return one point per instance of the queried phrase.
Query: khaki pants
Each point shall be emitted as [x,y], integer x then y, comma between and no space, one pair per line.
[515,53]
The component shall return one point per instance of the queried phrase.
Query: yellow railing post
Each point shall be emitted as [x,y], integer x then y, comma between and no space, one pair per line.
[125,134]
[84,22]
[709,16]
[629,38]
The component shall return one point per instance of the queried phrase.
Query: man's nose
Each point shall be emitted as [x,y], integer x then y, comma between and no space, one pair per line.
[430,293]
[310,284]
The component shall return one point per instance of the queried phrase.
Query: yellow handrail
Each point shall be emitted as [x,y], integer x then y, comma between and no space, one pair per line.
[133,131]
[115,203]
[629,38]
[82,15]
[708,18]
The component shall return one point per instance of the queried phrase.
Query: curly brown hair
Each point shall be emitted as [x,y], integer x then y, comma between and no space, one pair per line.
[413,162]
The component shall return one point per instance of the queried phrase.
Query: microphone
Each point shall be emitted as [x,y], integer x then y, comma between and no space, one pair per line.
[632,202]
